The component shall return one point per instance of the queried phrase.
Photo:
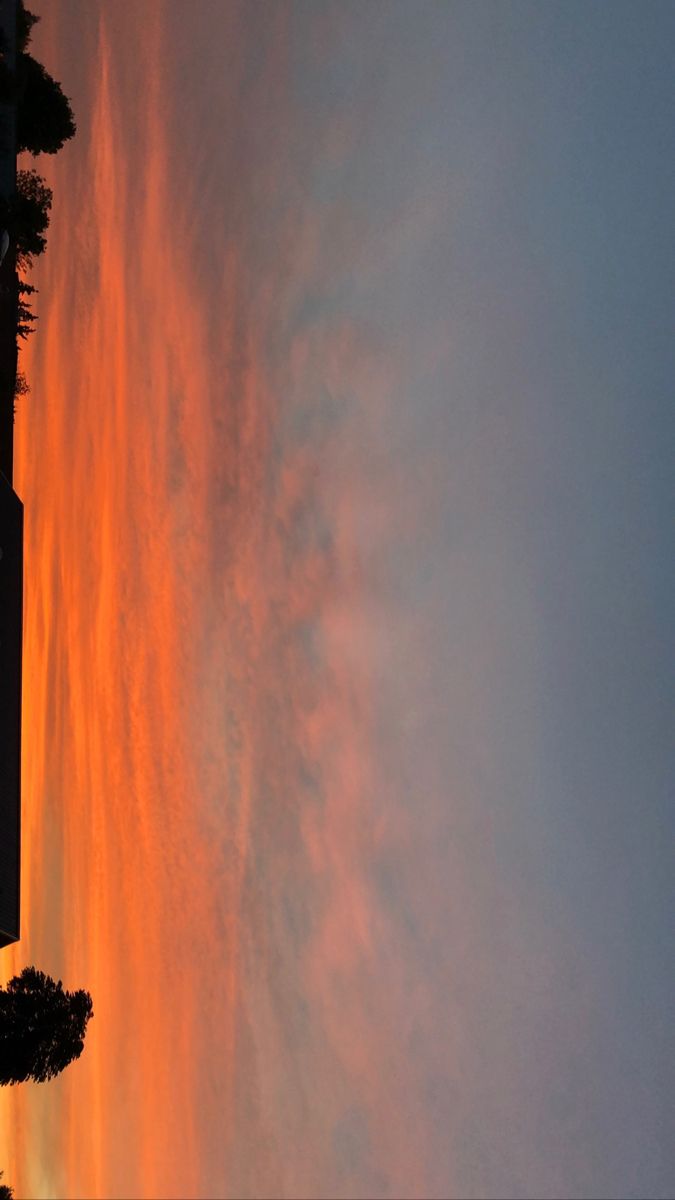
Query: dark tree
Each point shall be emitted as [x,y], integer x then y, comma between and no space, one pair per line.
[26,216]
[42,1027]
[25,325]
[25,20]
[6,1192]
[44,119]
[25,318]
[21,388]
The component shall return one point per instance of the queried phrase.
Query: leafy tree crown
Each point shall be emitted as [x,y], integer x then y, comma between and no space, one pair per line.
[42,1027]
[44,116]
[25,20]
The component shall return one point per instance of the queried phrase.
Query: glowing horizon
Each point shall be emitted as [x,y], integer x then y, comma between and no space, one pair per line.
[103,637]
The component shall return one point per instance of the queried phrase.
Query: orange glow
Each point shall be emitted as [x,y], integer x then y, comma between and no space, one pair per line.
[118,874]
[172,711]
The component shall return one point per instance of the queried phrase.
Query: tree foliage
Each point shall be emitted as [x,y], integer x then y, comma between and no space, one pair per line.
[44,119]
[25,318]
[6,1192]
[21,386]
[42,1027]
[25,20]
[26,216]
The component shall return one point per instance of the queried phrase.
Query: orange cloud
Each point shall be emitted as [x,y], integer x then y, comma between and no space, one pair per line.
[118,874]
[204,644]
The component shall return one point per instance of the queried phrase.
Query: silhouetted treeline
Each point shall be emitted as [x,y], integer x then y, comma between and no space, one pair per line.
[44,123]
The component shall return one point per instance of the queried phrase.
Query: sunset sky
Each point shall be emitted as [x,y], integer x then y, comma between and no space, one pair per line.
[347,469]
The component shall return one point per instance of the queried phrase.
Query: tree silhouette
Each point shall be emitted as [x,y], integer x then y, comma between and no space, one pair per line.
[26,215]
[25,20]
[6,1192]
[24,313]
[44,119]
[42,1027]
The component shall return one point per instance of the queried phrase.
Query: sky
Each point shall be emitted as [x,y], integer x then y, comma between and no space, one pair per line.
[347,471]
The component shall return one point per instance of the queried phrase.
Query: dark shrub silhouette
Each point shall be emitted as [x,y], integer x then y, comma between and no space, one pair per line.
[42,1027]
[44,119]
